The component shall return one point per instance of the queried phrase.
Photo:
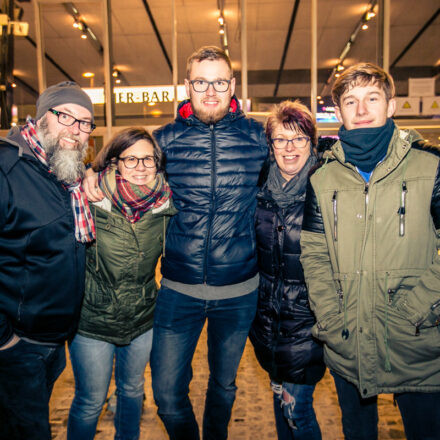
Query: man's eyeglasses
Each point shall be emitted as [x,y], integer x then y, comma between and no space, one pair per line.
[132,162]
[220,85]
[297,142]
[69,120]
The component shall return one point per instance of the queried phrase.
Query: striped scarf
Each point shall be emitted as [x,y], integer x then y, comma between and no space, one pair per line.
[132,200]
[84,225]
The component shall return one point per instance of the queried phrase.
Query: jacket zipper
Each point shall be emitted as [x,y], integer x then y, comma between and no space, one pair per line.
[402,209]
[212,204]
[335,215]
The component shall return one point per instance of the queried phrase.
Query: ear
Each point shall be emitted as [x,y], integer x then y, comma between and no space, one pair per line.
[391,107]
[338,114]
[187,86]
[232,85]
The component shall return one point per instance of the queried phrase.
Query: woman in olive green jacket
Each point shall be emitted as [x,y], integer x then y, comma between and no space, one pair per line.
[117,314]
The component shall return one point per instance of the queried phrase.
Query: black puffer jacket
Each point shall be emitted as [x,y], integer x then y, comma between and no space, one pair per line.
[281,332]
[42,266]
[213,171]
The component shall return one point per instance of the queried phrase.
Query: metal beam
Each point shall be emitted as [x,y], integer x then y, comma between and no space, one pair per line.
[175,64]
[286,45]
[244,63]
[416,37]
[108,63]
[156,31]
[41,66]
[314,58]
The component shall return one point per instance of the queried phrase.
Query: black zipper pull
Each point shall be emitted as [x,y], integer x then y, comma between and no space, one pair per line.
[402,210]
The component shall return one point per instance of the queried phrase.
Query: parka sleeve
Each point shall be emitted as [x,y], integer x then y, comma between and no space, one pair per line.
[421,305]
[315,259]
[5,327]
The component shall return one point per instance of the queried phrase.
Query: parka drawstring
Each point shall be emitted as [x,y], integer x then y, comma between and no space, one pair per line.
[388,299]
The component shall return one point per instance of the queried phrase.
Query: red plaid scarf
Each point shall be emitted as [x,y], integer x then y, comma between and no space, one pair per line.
[132,200]
[84,225]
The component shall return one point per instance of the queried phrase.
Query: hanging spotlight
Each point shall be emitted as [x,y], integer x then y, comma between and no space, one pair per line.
[318,97]
[337,75]
[364,26]
[76,24]
[369,15]
[221,31]
[221,20]
[13,85]
[340,67]
[84,35]
[118,81]
[115,73]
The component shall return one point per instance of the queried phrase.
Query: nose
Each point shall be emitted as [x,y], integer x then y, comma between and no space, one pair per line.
[290,146]
[140,165]
[361,108]
[74,128]
[210,90]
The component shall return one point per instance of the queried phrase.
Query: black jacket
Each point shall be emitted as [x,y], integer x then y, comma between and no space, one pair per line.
[213,171]
[41,263]
[281,331]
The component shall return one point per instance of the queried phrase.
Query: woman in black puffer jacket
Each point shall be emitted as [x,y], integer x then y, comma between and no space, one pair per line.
[281,332]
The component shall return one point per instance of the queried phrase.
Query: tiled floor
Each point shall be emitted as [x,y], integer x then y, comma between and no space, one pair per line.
[252,417]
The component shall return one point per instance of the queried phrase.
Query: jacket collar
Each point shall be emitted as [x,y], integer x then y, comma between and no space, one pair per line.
[399,147]
[185,112]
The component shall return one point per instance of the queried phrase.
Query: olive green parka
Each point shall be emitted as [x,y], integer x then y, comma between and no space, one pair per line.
[371,263]
[120,291]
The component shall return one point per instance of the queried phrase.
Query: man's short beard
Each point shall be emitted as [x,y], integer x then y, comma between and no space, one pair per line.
[67,165]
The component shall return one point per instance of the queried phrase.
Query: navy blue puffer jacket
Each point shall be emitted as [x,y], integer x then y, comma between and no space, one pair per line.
[281,331]
[213,171]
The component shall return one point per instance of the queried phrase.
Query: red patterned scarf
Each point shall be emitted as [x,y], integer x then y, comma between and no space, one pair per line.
[132,200]
[84,225]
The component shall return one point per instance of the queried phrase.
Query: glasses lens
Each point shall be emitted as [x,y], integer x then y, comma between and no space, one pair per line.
[149,162]
[86,127]
[65,119]
[279,143]
[300,141]
[130,161]
[200,85]
[221,86]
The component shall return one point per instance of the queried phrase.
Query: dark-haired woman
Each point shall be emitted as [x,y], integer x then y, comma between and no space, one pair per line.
[117,314]
[281,332]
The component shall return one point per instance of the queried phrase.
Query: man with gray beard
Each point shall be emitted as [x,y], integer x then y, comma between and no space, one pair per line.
[45,224]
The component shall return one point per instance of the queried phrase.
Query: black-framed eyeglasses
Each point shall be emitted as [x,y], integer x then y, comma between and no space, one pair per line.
[220,85]
[297,142]
[69,120]
[132,162]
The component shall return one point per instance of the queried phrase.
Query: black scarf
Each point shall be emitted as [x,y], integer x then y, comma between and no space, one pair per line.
[365,147]
[286,193]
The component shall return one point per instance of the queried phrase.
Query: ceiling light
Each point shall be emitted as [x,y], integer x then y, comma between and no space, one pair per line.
[318,97]
[221,20]
[221,31]
[115,73]
[364,26]
[321,101]
[340,67]
[76,24]
[337,75]
[88,74]
[118,81]
[84,36]
[13,85]
[370,15]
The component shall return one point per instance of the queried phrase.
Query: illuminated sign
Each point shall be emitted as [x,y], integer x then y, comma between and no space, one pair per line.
[138,95]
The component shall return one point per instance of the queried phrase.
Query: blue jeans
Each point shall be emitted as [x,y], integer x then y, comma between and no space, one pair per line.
[178,322]
[92,364]
[420,413]
[27,375]
[294,414]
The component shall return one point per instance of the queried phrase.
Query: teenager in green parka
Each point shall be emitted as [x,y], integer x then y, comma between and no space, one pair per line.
[120,295]
[370,241]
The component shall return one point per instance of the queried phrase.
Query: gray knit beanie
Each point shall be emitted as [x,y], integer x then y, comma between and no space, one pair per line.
[66,92]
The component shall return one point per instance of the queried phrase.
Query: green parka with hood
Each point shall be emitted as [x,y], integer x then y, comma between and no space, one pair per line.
[371,263]
[120,291]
